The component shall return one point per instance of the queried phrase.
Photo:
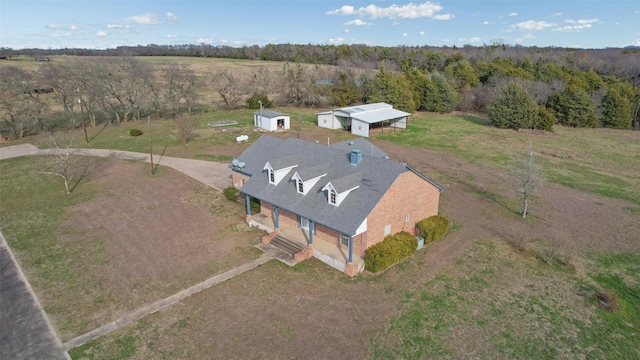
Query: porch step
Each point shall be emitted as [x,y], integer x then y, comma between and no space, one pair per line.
[286,245]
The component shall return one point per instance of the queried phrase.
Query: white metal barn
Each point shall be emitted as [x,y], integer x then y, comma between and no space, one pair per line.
[360,119]
[271,120]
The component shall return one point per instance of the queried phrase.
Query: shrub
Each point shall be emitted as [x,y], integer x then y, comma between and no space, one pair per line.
[389,251]
[432,228]
[135,132]
[231,193]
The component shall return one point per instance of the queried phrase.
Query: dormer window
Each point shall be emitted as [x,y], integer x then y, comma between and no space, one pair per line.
[272,177]
[300,187]
[332,197]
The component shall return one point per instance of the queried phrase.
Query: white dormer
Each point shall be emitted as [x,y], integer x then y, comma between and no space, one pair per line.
[303,187]
[334,197]
[276,175]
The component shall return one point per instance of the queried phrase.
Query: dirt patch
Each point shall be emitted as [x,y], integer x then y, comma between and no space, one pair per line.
[157,235]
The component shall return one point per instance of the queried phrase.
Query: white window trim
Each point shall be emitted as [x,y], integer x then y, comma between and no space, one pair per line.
[342,237]
[333,197]
[300,185]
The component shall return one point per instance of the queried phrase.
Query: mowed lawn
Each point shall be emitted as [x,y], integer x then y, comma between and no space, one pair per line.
[486,300]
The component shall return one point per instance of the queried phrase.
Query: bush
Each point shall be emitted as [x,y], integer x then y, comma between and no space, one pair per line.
[135,132]
[390,251]
[432,228]
[231,193]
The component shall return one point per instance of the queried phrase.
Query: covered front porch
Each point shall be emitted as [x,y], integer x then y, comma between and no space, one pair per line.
[336,256]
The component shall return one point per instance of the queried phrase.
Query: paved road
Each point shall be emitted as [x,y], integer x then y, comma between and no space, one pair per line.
[216,175]
[25,332]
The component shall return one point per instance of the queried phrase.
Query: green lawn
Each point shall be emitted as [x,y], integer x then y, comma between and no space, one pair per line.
[601,161]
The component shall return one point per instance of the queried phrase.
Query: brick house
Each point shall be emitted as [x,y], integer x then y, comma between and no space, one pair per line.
[331,202]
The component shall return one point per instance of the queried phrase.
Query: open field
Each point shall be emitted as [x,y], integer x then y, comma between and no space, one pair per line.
[467,295]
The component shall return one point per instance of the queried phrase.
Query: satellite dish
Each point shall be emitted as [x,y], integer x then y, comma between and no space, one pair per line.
[235,162]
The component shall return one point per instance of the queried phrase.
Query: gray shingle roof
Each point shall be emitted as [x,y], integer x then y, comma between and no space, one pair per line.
[270,113]
[373,174]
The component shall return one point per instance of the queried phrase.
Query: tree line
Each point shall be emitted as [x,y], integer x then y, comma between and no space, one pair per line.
[523,90]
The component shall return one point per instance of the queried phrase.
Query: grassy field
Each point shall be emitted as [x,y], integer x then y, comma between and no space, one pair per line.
[492,302]
[601,161]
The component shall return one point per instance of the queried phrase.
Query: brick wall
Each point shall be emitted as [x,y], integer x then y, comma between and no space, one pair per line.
[236,179]
[408,195]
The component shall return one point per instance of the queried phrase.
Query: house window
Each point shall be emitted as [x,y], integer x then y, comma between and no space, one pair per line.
[406,218]
[272,177]
[387,229]
[241,182]
[300,187]
[332,197]
[344,240]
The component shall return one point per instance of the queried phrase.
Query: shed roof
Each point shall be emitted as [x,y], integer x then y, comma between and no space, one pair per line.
[270,114]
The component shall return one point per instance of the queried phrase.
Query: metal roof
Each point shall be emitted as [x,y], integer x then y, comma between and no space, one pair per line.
[374,116]
[270,113]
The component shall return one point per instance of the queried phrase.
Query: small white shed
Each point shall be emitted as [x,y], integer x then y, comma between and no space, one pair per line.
[271,120]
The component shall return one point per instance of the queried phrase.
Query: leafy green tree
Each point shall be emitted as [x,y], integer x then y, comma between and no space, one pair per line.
[449,98]
[463,72]
[345,91]
[513,109]
[393,89]
[573,107]
[616,110]
[544,119]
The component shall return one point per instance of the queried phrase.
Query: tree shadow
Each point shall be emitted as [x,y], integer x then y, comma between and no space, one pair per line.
[476,120]
[96,135]
[155,166]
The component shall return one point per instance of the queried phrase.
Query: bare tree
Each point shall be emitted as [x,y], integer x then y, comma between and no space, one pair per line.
[181,86]
[232,87]
[62,150]
[20,105]
[527,176]
[185,126]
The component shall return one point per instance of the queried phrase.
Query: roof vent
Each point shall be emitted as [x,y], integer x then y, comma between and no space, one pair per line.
[356,157]
[350,143]
[241,165]
[235,162]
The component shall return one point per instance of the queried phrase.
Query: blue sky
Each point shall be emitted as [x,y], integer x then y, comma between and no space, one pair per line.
[110,23]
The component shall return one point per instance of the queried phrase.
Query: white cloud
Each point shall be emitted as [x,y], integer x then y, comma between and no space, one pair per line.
[486,23]
[581,21]
[114,26]
[171,36]
[358,22]
[577,25]
[635,43]
[421,33]
[408,11]
[73,27]
[54,26]
[207,41]
[513,14]
[532,25]
[145,19]
[404,34]
[556,14]
[171,16]
[346,31]
[443,17]
[101,33]
[475,39]
[529,36]
[337,40]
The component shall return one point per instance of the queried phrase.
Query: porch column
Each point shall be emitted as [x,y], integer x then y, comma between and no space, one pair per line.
[311,227]
[276,215]
[247,200]
[350,249]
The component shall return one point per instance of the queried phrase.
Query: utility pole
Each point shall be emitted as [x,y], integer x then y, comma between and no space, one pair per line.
[150,145]
[84,124]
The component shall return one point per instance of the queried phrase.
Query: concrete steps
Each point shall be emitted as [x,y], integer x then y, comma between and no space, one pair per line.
[287,245]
